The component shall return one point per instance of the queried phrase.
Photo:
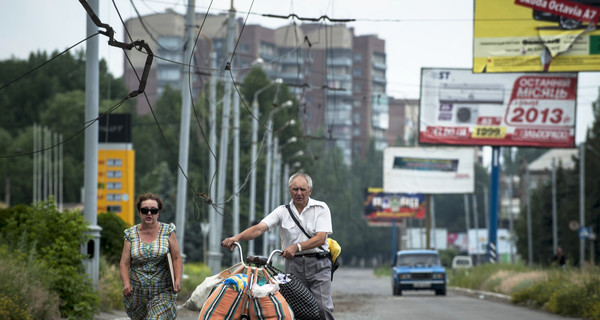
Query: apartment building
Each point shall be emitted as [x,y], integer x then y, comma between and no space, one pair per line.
[338,77]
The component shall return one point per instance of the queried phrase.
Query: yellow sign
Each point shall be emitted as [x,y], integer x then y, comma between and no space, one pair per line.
[489,132]
[116,172]
[511,37]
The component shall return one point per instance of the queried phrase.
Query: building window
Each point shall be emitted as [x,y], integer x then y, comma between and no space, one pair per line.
[169,74]
[170,43]
[114,197]
[114,174]
[114,186]
[115,209]
[114,162]
[357,57]
[357,72]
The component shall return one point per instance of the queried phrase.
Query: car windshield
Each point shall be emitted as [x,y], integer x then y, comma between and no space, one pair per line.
[418,260]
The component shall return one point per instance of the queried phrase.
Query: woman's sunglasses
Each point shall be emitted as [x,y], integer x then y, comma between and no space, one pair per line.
[151,210]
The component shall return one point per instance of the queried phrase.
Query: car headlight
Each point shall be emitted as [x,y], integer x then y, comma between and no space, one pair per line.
[438,276]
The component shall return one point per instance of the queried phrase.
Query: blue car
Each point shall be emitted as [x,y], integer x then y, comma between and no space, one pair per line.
[418,270]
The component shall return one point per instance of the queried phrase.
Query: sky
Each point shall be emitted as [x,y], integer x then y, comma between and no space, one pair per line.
[418,34]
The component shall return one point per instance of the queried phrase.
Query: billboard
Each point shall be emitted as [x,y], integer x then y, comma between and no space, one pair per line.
[536,36]
[458,107]
[428,170]
[381,207]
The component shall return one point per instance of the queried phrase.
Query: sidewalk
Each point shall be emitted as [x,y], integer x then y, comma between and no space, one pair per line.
[182,314]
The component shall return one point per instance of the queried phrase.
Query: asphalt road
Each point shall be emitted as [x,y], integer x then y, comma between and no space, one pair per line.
[359,295]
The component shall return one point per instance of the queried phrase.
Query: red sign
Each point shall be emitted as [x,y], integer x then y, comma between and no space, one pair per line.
[516,109]
[563,8]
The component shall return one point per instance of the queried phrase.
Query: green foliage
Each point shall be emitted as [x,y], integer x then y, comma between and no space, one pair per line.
[110,288]
[111,237]
[24,289]
[56,238]
[446,257]
[195,274]
[476,277]
[53,97]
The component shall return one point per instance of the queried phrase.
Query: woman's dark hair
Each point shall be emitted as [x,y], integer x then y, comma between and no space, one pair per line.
[148,196]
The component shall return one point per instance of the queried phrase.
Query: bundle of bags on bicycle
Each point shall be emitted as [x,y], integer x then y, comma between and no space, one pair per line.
[260,292]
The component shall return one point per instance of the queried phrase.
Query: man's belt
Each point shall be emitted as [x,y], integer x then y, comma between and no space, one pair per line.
[318,255]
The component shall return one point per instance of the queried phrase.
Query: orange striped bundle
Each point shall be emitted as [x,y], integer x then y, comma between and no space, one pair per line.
[225,303]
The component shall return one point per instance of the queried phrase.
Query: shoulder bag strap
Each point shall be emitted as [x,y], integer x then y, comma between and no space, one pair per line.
[287,206]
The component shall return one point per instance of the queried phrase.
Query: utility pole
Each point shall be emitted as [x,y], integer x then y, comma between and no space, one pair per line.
[90,181]
[529,232]
[467,222]
[212,142]
[510,220]
[581,203]
[236,168]
[476,222]
[184,129]
[214,254]
[554,214]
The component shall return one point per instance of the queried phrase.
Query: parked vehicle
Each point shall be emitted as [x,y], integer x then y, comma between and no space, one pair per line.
[462,262]
[564,22]
[418,270]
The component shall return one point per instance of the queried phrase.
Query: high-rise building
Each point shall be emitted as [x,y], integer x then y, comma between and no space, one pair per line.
[339,78]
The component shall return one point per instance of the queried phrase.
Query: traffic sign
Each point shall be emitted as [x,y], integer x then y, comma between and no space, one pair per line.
[584,232]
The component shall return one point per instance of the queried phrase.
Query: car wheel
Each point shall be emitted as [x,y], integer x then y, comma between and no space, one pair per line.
[397,291]
[440,292]
[569,24]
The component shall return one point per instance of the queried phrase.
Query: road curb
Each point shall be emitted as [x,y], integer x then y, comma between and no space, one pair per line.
[483,295]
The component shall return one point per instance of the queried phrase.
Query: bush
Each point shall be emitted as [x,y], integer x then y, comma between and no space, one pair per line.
[195,273]
[110,287]
[56,239]
[24,292]
[111,237]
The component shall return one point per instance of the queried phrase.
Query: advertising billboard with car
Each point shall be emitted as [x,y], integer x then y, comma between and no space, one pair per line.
[458,107]
[536,36]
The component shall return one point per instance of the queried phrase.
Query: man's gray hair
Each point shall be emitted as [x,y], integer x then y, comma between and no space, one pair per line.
[301,174]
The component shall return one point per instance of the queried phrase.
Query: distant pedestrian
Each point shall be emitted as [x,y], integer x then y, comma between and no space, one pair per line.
[148,291]
[559,258]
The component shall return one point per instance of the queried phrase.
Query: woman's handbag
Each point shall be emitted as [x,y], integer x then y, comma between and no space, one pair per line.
[297,295]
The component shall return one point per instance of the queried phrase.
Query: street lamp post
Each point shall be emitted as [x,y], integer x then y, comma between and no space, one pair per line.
[267,200]
[255,112]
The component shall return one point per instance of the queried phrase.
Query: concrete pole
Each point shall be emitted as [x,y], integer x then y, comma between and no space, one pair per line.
[529,232]
[476,222]
[90,184]
[510,220]
[581,203]
[467,220]
[214,253]
[236,169]
[60,175]
[267,199]
[433,228]
[40,161]
[184,128]
[35,156]
[254,158]
[554,214]
[46,176]
[212,142]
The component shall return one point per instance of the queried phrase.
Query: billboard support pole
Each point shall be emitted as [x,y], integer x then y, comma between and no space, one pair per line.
[427,221]
[394,241]
[493,226]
